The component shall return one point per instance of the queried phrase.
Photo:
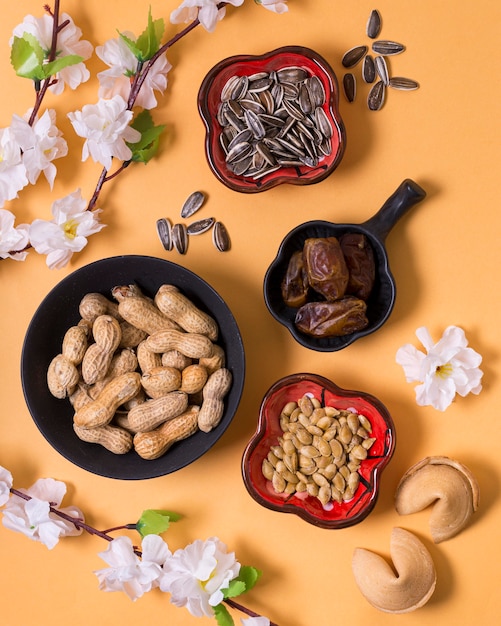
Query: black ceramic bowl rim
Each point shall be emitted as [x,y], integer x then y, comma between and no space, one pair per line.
[382,299]
[308,175]
[43,341]
[357,509]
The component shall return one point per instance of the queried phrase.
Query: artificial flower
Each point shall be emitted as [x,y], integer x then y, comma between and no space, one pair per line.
[5,485]
[129,573]
[446,368]
[12,170]
[123,66]
[13,239]
[68,42]
[67,232]
[277,6]
[206,11]
[105,127]
[41,143]
[255,621]
[196,575]
[34,518]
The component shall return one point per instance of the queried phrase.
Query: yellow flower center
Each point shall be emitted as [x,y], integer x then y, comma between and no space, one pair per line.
[70,229]
[444,371]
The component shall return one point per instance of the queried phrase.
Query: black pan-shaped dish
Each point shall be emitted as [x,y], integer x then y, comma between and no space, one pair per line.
[382,299]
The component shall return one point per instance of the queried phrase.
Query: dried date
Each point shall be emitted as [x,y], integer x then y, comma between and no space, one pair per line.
[359,258]
[332,319]
[295,286]
[326,267]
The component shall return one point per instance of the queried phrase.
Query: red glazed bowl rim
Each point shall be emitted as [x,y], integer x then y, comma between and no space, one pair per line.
[209,99]
[309,508]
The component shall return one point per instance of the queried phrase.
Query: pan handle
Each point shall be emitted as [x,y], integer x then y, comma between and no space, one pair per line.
[405,197]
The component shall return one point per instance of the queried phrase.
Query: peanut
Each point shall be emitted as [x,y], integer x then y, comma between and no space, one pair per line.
[214,362]
[175,359]
[212,409]
[152,445]
[75,342]
[113,438]
[193,378]
[62,377]
[192,345]
[152,413]
[140,311]
[131,336]
[100,411]
[160,381]
[121,363]
[97,358]
[181,309]
[147,359]
[92,305]
[80,396]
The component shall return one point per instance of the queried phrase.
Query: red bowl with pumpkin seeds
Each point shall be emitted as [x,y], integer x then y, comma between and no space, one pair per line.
[276,66]
[333,514]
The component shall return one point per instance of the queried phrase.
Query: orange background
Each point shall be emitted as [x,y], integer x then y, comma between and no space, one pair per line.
[445,256]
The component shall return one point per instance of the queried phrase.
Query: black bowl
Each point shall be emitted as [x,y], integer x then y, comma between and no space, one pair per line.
[382,298]
[59,310]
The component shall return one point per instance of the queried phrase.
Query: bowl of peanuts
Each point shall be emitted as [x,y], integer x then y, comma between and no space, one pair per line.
[132,367]
[318,451]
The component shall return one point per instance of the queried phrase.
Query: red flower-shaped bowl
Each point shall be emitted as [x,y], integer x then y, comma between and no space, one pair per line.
[209,103]
[334,515]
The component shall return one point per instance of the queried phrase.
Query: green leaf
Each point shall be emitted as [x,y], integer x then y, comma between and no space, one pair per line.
[222,615]
[249,576]
[155,521]
[56,66]
[149,40]
[26,59]
[131,44]
[235,588]
[146,148]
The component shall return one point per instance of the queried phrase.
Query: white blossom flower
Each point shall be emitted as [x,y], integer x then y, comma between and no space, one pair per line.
[448,367]
[33,517]
[12,238]
[123,66]
[105,127]
[129,573]
[206,11]
[5,485]
[255,621]
[68,42]
[12,169]
[277,6]
[196,574]
[67,232]
[40,143]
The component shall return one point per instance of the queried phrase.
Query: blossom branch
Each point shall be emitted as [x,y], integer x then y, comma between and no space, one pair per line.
[243,609]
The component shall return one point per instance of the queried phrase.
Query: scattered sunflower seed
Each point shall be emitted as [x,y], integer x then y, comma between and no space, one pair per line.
[180,238]
[192,204]
[406,84]
[382,69]
[376,97]
[200,226]
[349,86]
[374,24]
[164,230]
[220,237]
[352,56]
[387,48]
[369,69]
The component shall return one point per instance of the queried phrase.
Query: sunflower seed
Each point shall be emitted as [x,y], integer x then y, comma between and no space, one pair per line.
[406,84]
[292,74]
[387,48]
[350,86]
[323,123]
[376,96]
[180,238]
[352,56]
[220,237]
[192,204]
[228,88]
[382,69]
[164,230]
[200,226]
[374,24]
[316,90]
[369,69]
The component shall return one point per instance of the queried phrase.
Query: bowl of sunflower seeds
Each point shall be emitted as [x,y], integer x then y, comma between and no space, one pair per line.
[272,119]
